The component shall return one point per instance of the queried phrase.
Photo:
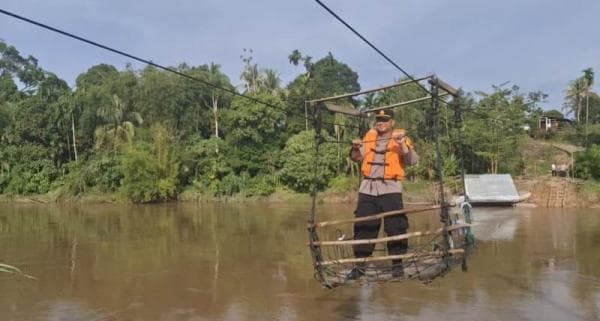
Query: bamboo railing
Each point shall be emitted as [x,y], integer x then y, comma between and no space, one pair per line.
[390,238]
[379,216]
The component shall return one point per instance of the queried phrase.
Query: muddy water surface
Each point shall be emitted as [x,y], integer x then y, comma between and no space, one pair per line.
[249,262]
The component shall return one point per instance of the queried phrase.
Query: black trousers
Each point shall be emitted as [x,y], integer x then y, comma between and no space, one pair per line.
[393,225]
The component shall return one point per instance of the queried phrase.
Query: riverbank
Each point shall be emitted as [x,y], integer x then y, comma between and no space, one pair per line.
[578,194]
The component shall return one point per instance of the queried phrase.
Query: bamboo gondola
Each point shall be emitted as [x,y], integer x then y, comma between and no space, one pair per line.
[431,253]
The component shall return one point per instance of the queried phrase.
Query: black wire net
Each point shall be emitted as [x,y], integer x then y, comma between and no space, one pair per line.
[430,254]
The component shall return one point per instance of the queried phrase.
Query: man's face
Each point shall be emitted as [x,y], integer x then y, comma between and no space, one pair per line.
[384,125]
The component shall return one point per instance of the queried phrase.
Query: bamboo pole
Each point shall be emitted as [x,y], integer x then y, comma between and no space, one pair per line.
[389,238]
[444,86]
[369,90]
[343,110]
[379,216]
[401,103]
[391,257]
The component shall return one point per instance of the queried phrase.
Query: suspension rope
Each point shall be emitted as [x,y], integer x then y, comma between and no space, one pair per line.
[371,45]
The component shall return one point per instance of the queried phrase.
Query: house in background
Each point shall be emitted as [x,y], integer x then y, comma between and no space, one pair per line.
[549,123]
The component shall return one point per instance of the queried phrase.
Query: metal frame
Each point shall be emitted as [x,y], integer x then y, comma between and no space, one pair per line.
[327,103]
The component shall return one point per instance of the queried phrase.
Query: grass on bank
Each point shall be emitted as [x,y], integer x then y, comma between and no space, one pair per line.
[590,190]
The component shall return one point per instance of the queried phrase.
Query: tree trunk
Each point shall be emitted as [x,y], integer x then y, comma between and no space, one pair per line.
[306,115]
[578,107]
[587,117]
[69,146]
[74,143]
[215,106]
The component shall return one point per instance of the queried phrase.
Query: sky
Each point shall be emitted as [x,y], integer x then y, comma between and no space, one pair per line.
[473,44]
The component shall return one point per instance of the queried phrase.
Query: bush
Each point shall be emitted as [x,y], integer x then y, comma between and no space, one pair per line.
[205,160]
[34,177]
[103,174]
[230,185]
[342,184]
[587,164]
[262,185]
[150,172]
[26,169]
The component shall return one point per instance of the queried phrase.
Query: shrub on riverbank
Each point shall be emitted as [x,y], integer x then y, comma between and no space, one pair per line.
[150,171]
[588,163]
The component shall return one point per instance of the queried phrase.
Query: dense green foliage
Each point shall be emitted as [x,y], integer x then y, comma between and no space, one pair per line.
[149,134]
[588,163]
[298,170]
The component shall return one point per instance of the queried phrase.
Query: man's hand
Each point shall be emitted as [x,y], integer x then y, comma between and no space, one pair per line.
[400,137]
[355,154]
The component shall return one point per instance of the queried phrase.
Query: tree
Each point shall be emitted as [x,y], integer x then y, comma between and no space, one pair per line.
[493,132]
[326,77]
[250,75]
[26,70]
[588,78]
[177,102]
[216,77]
[576,90]
[271,81]
[588,163]
[298,171]
[97,75]
[150,172]
[255,130]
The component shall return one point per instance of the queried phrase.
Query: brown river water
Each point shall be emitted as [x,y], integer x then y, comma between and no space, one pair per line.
[250,262]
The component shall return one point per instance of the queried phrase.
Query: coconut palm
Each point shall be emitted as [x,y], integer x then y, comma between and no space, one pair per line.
[369,101]
[588,78]
[119,125]
[575,92]
[270,81]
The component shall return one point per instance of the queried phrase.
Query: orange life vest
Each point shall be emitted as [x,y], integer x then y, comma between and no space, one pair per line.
[394,167]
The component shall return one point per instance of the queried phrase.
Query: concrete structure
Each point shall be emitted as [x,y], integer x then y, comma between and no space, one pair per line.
[491,189]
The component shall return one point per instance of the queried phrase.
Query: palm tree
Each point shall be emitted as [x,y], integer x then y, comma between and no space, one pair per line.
[295,57]
[588,77]
[575,91]
[271,81]
[119,125]
[250,74]
[369,101]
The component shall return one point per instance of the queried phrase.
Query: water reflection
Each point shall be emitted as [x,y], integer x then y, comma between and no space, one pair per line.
[249,262]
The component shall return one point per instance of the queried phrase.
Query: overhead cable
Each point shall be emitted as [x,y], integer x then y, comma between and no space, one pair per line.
[388,59]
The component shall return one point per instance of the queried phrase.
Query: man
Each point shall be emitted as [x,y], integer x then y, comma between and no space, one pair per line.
[384,153]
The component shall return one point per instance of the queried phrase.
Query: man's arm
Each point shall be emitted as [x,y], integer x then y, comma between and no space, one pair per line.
[410,158]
